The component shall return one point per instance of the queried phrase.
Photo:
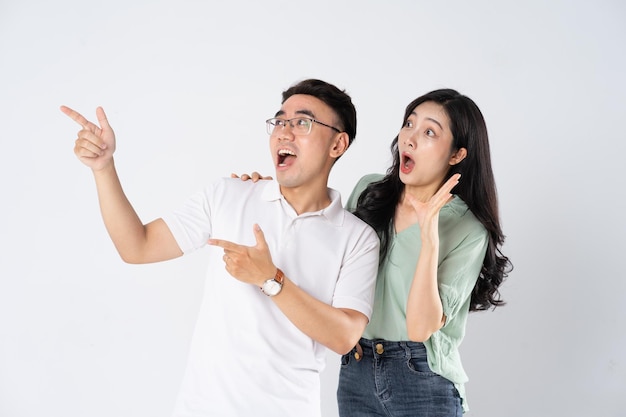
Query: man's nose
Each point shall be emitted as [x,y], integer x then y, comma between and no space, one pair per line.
[286,132]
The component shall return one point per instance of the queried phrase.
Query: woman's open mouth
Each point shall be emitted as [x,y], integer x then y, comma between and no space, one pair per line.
[406,163]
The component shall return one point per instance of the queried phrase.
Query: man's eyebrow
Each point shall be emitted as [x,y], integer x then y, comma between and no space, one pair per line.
[303,111]
[306,112]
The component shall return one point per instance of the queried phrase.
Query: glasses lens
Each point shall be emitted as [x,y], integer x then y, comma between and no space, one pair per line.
[270,125]
[302,126]
[299,125]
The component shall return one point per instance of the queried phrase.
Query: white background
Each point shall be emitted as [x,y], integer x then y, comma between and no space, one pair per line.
[187,86]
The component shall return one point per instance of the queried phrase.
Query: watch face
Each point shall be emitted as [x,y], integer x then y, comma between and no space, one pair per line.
[271,287]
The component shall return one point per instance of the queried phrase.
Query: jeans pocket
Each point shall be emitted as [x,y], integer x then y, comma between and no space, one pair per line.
[420,366]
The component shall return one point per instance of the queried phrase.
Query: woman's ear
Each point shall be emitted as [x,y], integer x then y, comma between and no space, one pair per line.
[340,145]
[458,156]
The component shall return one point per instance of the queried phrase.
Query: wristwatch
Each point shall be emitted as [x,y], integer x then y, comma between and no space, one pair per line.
[273,286]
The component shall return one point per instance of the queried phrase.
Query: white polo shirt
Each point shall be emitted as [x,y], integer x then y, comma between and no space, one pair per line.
[246,357]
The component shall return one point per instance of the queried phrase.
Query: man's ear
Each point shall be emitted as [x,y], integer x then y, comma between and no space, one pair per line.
[340,145]
[458,156]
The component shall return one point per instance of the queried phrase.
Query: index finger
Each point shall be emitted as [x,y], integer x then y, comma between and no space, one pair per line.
[78,118]
[225,244]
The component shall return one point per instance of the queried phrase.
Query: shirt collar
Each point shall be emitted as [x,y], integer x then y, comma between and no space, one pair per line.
[334,213]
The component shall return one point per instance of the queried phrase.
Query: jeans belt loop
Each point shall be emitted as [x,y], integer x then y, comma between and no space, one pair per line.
[358,355]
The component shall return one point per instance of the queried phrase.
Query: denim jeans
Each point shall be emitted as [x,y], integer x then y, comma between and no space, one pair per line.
[393,379]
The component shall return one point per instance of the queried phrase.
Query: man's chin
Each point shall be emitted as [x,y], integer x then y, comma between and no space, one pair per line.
[286,180]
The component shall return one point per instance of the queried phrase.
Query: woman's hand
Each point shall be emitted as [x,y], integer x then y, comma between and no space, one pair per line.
[254,177]
[428,212]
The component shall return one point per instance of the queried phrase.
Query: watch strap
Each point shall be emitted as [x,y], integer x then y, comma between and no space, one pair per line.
[278,278]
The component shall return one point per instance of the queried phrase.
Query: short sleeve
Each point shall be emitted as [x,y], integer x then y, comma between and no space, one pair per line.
[190,224]
[458,272]
[358,189]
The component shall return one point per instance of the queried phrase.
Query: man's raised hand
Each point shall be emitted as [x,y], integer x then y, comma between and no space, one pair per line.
[94,145]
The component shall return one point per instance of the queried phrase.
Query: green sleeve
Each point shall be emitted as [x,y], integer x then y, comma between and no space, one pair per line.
[358,189]
[458,272]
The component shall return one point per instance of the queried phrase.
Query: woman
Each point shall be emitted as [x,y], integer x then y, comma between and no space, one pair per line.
[440,259]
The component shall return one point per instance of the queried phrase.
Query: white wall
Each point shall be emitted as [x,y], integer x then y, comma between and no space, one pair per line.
[187,86]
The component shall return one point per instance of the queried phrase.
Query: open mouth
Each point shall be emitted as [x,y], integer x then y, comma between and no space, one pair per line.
[285,157]
[407,163]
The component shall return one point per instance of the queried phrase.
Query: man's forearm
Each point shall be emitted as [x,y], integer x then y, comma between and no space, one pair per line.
[337,329]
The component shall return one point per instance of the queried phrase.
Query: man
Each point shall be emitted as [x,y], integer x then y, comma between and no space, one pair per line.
[290,272]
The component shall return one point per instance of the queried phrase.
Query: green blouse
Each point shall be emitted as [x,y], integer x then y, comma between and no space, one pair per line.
[462,246]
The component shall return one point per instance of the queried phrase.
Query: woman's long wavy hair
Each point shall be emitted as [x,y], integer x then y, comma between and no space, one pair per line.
[377,203]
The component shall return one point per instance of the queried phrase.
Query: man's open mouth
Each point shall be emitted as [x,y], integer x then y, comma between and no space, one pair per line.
[284,155]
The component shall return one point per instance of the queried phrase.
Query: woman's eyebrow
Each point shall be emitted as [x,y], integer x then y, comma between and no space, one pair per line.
[428,118]
[435,121]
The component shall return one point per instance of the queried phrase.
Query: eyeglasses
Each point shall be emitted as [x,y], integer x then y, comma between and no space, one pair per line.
[299,125]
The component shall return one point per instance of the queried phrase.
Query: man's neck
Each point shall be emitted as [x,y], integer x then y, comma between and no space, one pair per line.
[306,200]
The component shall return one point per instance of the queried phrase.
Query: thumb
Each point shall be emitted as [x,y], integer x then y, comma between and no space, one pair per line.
[259,236]
[102,119]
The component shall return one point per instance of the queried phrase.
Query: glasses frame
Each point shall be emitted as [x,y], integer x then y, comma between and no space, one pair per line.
[271,127]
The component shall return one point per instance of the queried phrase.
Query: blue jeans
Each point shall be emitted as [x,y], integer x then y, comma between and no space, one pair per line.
[393,379]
